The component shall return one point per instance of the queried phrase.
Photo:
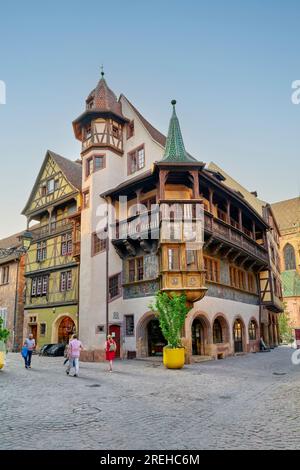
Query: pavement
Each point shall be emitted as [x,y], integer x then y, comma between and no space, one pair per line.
[245,402]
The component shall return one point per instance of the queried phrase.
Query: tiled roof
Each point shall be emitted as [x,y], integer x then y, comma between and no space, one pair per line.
[10,242]
[155,134]
[287,213]
[71,170]
[175,149]
[103,99]
[290,283]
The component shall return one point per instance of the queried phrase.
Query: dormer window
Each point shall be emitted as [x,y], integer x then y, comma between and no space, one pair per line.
[90,104]
[130,129]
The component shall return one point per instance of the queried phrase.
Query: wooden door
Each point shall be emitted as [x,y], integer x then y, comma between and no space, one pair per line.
[115,331]
[33,329]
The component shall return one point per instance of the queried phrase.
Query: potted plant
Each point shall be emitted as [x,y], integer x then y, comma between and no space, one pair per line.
[171,311]
[4,334]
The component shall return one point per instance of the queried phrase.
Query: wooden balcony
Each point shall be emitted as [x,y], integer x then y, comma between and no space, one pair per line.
[51,229]
[231,236]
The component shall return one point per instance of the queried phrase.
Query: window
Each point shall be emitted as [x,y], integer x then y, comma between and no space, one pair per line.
[148,203]
[251,283]
[56,185]
[131,270]
[5,275]
[66,281]
[86,199]
[50,186]
[136,160]
[252,330]
[140,269]
[95,163]
[98,243]
[39,286]
[289,257]
[191,260]
[173,259]
[212,268]
[41,253]
[237,278]
[44,189]
[42,329]
[115,286]
[129,325]
[32,319]
[66,244]
[3,315]
[217,332]
[88,131]
[130,129]
[115,131]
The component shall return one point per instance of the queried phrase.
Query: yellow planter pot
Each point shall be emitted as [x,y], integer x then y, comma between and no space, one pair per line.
[2,359]
[173,358]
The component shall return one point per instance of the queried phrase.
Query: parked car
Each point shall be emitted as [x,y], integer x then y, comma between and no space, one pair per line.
[56,350]
[44,349]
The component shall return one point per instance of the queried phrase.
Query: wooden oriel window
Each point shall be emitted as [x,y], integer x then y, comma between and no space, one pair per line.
[191,260]
[173,259]
[98,243]
[148,203]
[94,163]
[136,160]
[115,287]
[130,129]
[129,325]
[5,275]
[86,199]
[41,252]
[212,267]
[66,244]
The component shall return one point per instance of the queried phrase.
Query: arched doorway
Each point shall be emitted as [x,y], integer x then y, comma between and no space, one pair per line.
[66,329]
[198,337]
[156,341]
[238,332]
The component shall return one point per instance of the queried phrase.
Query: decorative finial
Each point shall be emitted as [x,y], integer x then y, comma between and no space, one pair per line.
[102,71]
[173,102]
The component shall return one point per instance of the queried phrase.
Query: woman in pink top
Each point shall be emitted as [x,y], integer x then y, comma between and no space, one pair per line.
[75,346]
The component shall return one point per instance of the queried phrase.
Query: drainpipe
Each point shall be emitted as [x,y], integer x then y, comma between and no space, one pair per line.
[14,347]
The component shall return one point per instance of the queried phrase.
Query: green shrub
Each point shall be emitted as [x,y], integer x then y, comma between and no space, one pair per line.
[171,312]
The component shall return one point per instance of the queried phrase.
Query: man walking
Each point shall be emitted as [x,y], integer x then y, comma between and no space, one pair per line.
[29,343]
[75,346]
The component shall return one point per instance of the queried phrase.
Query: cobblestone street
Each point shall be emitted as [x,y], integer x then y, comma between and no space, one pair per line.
[242,402]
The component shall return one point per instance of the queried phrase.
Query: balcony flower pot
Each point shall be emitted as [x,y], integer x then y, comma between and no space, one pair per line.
[171,311]
[173,358]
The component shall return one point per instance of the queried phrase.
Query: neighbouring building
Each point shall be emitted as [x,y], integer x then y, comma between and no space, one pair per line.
[270,286]
[288,216]
[12,291]
[124,156]
[52,262]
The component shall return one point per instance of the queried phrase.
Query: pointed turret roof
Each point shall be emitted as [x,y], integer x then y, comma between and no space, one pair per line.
[175,149]
[103,99]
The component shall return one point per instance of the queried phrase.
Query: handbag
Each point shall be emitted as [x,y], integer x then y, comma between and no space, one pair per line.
[112,347]
[24,352]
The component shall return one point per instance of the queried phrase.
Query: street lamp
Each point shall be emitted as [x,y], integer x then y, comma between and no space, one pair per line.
[26,238]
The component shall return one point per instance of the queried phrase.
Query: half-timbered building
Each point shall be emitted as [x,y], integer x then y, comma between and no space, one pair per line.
[52,262]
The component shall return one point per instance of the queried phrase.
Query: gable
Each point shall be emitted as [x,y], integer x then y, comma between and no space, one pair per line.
[50,187]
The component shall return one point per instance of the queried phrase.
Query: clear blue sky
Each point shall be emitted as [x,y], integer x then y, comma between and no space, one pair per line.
[229,64]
